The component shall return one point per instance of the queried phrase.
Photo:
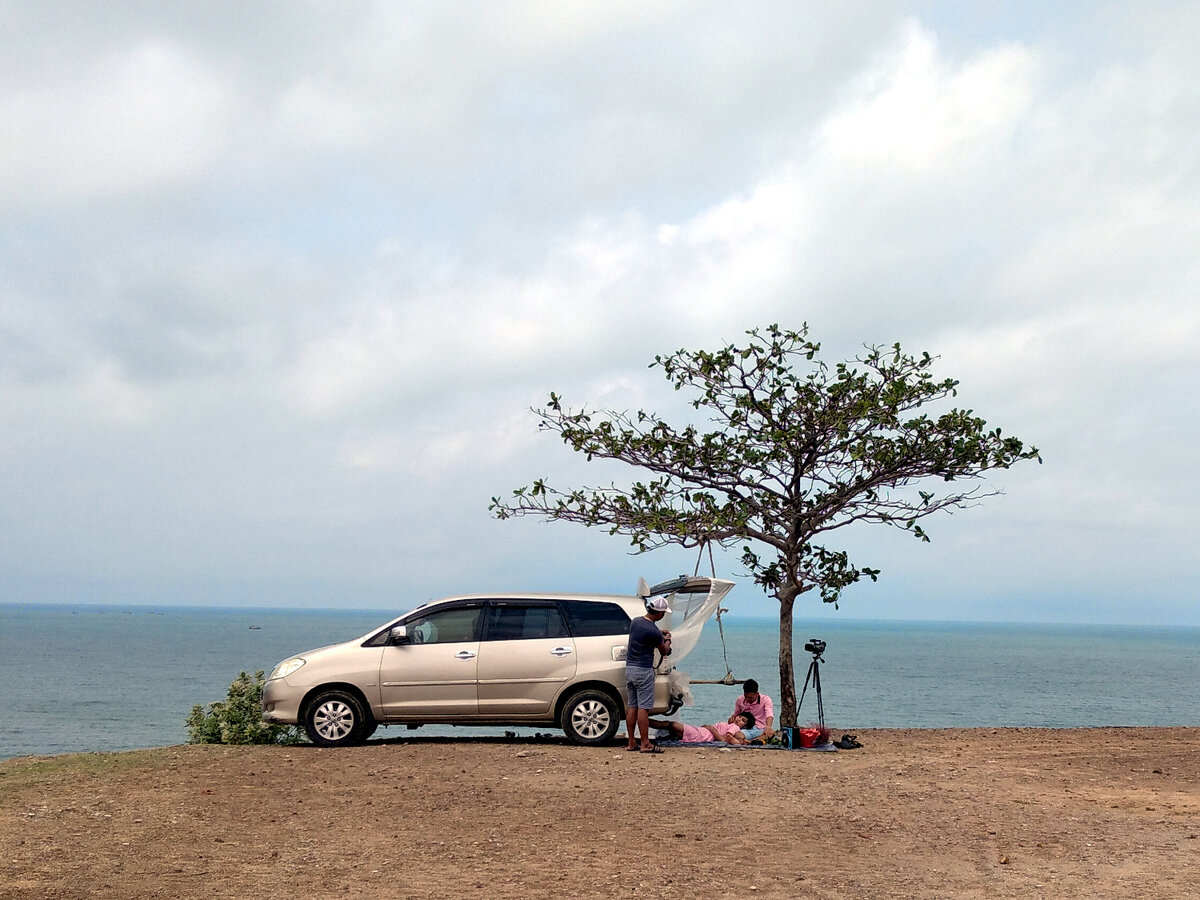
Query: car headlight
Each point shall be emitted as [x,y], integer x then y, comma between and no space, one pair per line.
[286,668]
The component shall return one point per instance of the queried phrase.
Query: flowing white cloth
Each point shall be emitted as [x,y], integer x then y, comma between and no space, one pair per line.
[691,607]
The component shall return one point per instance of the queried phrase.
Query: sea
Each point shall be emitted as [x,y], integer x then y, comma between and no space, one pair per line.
[93,678]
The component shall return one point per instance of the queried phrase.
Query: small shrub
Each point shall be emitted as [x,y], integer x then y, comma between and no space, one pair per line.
[238,718]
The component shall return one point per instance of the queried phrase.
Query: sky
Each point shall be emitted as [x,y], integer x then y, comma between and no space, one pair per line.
[280,283]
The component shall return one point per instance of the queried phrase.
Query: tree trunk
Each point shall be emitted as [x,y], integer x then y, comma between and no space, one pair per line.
[787,673]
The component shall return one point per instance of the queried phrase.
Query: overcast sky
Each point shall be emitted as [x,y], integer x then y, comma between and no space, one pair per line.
[280,281]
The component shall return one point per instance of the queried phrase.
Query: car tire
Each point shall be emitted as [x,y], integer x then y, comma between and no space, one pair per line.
[590,717]
[336,719]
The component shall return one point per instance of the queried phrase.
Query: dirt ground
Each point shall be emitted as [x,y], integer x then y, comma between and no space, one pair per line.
[1103,812]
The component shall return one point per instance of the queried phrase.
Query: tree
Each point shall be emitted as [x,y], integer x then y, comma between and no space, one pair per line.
[800,451]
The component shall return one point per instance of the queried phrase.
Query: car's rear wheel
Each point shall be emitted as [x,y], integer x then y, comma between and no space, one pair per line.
[336,719]
[591,717]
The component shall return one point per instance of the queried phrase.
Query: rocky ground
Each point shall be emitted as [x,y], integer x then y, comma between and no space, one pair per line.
[1000,813]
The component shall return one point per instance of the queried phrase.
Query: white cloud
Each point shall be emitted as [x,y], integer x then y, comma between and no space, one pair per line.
[146,117]
[108,394]
[915,110]
[277,280]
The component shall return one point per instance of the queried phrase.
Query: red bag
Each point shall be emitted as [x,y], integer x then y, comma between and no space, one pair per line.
[809,736]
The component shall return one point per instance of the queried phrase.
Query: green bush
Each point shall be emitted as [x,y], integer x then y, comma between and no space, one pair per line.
[238,718]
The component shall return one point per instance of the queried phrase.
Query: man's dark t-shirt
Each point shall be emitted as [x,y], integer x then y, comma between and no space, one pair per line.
[644,639]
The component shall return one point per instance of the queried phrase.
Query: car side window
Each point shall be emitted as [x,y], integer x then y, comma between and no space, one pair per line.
[445,626]
[589,619]
[523,622]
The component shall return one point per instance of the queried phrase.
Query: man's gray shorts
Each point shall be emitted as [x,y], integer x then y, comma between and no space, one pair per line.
[639,687]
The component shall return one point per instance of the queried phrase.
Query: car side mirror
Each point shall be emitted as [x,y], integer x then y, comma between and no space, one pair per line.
[399,634]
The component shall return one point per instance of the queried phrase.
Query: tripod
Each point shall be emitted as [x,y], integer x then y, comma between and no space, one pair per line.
[814,672]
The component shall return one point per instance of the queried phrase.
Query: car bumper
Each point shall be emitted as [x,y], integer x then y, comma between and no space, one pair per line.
[281,703]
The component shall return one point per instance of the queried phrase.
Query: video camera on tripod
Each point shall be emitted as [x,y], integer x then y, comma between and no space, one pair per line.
[816,647]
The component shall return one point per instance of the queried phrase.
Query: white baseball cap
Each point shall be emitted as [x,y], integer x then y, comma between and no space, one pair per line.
[658,604]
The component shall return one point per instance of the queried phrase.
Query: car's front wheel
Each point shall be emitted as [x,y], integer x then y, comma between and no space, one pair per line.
[591,717]
[336,719]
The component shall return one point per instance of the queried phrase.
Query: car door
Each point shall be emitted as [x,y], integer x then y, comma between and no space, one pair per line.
[433,675]
[525,658]
[601,632]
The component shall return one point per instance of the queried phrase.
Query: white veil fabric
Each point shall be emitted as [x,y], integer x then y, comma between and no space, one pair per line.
[693,601]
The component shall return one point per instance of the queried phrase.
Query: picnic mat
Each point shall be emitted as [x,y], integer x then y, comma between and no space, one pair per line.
[821,748]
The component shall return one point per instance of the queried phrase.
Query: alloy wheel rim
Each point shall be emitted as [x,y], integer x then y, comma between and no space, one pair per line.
[590,719]
[333,720]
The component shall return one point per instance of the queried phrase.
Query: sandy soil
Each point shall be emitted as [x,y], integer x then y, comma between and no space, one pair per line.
[948,813]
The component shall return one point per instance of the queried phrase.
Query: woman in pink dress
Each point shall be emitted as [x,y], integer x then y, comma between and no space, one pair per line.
[728,732]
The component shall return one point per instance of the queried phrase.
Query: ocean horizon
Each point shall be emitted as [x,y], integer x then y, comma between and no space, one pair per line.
[83,678]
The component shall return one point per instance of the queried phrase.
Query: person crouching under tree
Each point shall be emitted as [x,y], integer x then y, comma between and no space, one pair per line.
[752,701]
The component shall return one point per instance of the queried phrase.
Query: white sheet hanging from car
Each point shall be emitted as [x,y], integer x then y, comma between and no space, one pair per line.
[693,602]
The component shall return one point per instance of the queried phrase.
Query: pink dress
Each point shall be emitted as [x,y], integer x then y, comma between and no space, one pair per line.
[697,734]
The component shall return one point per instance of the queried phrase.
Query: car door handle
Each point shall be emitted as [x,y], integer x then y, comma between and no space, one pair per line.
[562,651]
[464,654]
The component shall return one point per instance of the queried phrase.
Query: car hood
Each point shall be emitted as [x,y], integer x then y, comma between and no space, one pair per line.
[312,655]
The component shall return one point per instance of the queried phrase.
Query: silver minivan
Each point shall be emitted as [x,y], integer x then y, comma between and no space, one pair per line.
[482,659]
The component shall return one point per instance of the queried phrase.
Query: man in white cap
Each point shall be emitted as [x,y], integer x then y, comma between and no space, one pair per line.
[644,639]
